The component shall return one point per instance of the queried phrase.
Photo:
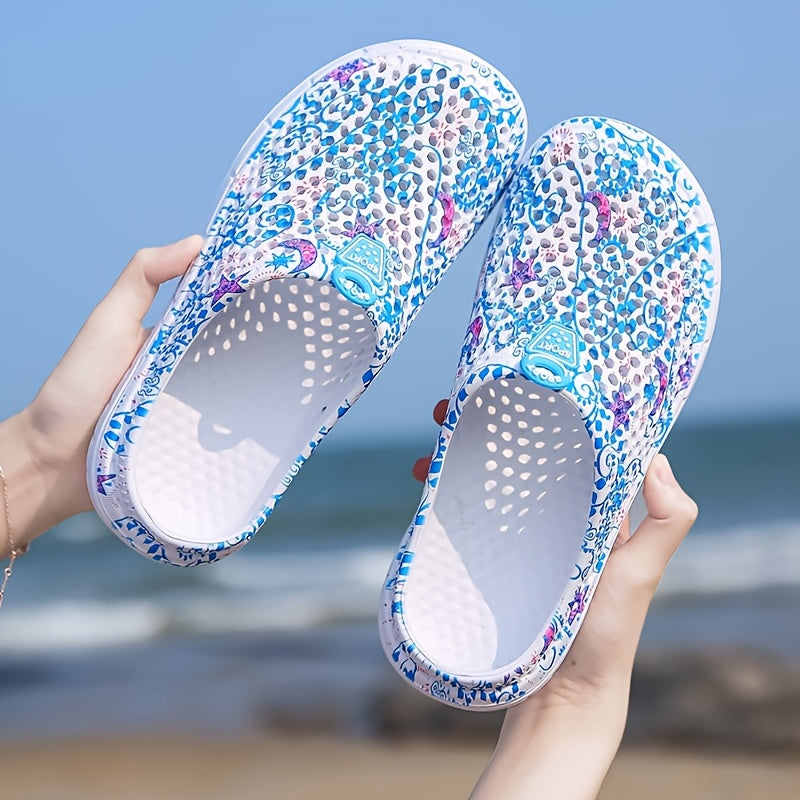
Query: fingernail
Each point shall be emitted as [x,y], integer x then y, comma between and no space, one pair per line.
[663,470]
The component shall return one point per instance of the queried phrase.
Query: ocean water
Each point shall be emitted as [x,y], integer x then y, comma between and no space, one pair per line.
[80,598]
[323,555]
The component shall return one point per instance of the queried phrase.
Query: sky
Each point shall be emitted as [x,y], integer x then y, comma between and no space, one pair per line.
[119,121]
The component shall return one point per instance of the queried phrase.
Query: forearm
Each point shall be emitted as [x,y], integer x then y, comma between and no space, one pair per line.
[555,749]
[39,495]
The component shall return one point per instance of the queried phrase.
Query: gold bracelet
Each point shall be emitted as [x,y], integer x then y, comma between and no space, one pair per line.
[15,552]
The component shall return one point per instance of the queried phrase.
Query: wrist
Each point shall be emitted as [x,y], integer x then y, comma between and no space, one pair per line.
[600,718]
[604,693]
[40,491]
[546,740]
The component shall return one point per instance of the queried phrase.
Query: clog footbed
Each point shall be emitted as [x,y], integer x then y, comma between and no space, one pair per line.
[342,212]
[593,315]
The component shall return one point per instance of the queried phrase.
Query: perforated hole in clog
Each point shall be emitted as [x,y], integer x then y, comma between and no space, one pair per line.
[500,540]
[259,380]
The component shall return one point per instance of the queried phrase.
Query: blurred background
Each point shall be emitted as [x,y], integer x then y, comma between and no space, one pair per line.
[118,124]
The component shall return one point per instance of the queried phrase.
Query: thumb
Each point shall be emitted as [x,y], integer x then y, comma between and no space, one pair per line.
[670,515]
[110,337]
[131,296]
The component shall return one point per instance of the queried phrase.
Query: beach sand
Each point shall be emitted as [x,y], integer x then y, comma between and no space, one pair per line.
[301,767]
[97,725]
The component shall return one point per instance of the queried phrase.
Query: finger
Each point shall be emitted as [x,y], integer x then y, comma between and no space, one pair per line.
[420,468]
[110,337]
[440,411]
[670,515]
[132,295]
[624,533]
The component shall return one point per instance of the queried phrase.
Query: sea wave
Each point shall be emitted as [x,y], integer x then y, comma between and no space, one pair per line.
[259,591]
[737,559]
[248,593]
